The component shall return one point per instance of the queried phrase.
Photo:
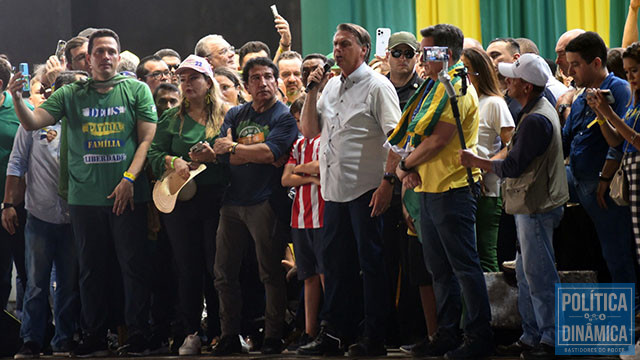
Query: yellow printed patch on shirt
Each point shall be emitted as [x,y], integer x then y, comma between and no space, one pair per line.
[252,139]
[102,129]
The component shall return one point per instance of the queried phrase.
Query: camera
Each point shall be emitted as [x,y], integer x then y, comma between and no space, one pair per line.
[435,53]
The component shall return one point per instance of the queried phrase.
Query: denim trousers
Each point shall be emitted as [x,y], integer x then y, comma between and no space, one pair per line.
[613,226]
[47,244]
[351,235]
[537,275]
[96,229]
[447,226]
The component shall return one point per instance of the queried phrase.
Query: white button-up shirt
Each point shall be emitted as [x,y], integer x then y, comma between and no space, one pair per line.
[356,113]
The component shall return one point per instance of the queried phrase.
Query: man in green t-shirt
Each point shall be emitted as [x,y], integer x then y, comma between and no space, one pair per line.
[111,121]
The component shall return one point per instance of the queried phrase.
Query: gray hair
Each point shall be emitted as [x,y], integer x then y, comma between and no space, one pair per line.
[201,46]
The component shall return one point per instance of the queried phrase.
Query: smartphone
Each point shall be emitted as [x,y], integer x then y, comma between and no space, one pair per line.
[24,69]
[274,10]
[608,95]
[382,41]
[198,147]
[60,49]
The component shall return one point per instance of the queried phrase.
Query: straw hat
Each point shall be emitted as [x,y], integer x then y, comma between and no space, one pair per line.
[172,186]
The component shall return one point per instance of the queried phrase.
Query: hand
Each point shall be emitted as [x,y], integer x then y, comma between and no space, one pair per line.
[634,4]
[381,199]
[281,161]
[411,180]
[408,219]
[52,69]
[182,168]
[205,155]
[596,101]
[123,194]
[467,157]
[291,268]
[282,27]
[16,84]
[319,77]
[10,220]
[315,180]
[601,192]
[223,144]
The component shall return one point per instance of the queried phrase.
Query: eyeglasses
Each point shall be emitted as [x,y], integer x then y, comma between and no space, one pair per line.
[407,53]
[157,75]
[224,51]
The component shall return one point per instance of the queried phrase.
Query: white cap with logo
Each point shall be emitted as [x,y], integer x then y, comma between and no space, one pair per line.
[529,67]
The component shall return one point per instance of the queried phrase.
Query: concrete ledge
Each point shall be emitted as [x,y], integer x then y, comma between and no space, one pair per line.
[503,295]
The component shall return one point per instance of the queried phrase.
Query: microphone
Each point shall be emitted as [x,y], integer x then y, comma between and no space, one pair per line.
[311,85]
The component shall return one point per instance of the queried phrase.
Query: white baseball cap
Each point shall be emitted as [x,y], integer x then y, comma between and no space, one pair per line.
[198,64]
[529,67]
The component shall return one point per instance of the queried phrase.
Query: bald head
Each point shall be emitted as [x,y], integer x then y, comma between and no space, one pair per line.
[564,39]
[471,43]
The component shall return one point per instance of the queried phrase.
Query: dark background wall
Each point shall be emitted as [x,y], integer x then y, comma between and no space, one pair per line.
[31,28]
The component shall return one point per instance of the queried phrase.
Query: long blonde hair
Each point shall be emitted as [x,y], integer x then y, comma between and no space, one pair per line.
[215,106]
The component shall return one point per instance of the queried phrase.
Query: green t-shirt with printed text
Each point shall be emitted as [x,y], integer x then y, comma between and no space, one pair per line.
[101,135]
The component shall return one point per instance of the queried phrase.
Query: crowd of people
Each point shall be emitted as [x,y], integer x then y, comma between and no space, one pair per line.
[312,203]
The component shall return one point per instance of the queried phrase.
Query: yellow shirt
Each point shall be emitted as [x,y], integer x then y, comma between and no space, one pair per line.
[443,172]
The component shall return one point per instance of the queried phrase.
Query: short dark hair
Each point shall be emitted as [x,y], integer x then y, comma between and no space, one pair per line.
[252,47]
[512,45]
[75,42]
[103,33]
[446,35]
[141,71]
[258,61]
[165,86]
[590,46]
[315,56]
[67,77]
[361,34]
[296,106]
[5,72]
[614,62]
[167,52]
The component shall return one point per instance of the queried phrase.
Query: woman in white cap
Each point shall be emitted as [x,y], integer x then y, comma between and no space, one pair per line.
[181,144]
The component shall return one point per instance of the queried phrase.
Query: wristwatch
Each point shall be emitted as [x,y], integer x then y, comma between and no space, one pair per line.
[403,166]
[390,178]
[5,205]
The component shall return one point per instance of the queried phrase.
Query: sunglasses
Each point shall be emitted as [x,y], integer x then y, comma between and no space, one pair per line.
[173,67]
[407,53]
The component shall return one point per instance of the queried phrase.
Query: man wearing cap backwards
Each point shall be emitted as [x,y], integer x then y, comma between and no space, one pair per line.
[258,137]
[111,120]
[534,166]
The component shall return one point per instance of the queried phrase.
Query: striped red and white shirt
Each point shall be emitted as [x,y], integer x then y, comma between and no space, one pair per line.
[308,206]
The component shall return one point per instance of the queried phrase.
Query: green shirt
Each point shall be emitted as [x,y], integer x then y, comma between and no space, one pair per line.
[170,141]
[411,202]
[101,137]
[8,127]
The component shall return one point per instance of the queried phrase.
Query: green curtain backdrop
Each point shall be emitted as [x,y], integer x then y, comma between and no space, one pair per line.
[617,15]
[320,18]
[542,21]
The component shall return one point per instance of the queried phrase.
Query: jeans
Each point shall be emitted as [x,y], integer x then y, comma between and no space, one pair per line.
[46,244]
[537,275]
[96,229]
[447,225]
[613,226]
[345,225]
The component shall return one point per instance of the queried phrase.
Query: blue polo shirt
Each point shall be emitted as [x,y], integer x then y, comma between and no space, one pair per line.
[587,148]
[632,117]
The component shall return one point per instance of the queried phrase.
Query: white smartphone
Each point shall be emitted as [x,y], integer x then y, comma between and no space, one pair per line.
[382,41]
[274,10]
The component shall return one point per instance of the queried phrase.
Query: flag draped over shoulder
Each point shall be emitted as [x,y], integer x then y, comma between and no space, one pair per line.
[427,104]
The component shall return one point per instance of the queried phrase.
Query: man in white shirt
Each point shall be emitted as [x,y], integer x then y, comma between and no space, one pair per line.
[354,114]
